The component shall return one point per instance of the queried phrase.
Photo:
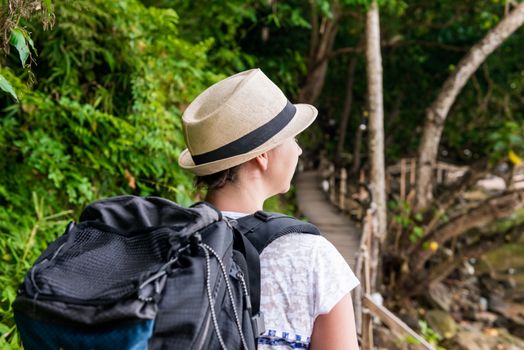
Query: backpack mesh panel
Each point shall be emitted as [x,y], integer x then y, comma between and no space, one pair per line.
[96,264]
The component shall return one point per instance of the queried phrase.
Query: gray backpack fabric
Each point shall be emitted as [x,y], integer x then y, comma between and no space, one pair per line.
[139,273]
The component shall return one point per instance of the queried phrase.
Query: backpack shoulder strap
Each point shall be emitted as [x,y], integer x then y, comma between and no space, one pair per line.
[256,232]
[262,228]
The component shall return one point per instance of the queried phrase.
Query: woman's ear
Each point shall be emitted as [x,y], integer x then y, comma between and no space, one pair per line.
[262,161]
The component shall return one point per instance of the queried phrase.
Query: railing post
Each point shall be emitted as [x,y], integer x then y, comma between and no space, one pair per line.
[367,284]
[361,191]
[332,190]
[343,189]
[413,172]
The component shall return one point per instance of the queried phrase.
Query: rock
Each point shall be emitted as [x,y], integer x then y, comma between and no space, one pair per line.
[441,322]
[514,312]
[491,287]
[440,296]
[483,304]
[486,317]
[475,196]
[383,338]
[468,268]
[487,339]
[492,183]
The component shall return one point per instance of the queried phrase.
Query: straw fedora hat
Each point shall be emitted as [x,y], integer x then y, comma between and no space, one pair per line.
[237,119]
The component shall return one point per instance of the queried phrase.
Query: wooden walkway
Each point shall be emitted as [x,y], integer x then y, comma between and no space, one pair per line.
[336,227]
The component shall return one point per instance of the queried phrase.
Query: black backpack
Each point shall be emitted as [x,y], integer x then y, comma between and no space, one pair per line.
[146,273]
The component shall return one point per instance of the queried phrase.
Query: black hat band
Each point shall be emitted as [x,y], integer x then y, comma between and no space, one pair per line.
[251,140]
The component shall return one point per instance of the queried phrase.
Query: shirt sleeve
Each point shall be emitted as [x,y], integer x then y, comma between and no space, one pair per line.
[332,277]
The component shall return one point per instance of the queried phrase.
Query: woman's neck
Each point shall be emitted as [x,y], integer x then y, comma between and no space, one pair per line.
[238,198]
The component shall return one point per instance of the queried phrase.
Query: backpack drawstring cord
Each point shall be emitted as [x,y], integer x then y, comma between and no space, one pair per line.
[207,249]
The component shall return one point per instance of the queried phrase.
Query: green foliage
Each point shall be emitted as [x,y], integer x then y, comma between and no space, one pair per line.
[100,118]
[21,41]
[18,37]
[11,12]
[432,336]
[282,203]
[424,41]
[24,236]
[6,86]
[410,221]
[222,24]
[427,333]
[509,137]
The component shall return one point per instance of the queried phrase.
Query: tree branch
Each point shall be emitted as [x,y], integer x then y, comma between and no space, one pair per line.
[498,207]
[358,49]
[313,39]
[476,172]
[427,44]
[484,244]
[438,111]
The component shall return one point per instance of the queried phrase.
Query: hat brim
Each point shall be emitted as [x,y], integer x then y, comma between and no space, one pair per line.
[304,116]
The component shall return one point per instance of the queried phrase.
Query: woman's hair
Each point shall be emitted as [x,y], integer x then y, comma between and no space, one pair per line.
[217,180]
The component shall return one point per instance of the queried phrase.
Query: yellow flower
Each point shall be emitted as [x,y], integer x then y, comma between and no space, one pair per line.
[433,246]
[514,158]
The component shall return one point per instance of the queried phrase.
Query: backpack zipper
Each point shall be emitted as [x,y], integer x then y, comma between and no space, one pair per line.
[257,321]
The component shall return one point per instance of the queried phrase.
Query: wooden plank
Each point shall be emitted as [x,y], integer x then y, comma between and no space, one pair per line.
[392,321]
[335,226]
[367,332]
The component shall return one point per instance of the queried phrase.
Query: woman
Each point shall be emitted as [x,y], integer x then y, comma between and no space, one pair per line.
[240,135]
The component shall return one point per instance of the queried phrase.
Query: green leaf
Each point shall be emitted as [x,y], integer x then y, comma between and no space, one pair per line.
[19,42]
[31,43]
[499,146]
[411,340]
[515,139]
[47,4]
[6,86]
[325,8]
[109,59]
[418,231]
[4,328]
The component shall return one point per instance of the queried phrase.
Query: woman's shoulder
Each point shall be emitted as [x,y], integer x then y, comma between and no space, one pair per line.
[313,260]
[312,250]
[304,241]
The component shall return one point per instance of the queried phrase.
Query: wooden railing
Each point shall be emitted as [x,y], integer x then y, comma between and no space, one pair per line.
[352,196]
[349,196]
[365,306]
[366,309]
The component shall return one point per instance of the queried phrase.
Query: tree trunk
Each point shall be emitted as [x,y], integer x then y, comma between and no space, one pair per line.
[436,114]
[376,117]
[346,112]
[355,167]
[314,34]
[321,45]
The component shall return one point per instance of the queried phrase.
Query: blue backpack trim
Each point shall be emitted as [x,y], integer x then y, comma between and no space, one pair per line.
[45,335]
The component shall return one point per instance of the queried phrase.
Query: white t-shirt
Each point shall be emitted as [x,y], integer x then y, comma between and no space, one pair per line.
[302,276]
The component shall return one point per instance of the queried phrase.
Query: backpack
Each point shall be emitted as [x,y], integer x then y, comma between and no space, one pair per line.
[146,273]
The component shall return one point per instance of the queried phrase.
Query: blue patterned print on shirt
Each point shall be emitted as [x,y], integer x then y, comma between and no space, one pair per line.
[271,339]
